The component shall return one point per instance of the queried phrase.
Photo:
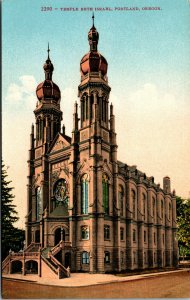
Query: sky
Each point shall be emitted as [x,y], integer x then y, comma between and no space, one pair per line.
[148,72]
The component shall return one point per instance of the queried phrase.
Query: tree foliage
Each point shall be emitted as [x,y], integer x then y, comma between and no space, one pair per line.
[183,225]
[11,237]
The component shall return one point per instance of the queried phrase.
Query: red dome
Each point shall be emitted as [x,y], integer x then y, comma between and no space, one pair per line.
[48,89]
[93,61]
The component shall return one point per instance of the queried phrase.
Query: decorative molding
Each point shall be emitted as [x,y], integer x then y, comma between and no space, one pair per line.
[35,179]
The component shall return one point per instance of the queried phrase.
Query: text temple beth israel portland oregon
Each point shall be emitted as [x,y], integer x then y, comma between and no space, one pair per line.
[85,209]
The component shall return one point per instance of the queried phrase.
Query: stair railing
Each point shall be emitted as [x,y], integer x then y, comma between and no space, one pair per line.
[6,261]
[62,269]
[50,265]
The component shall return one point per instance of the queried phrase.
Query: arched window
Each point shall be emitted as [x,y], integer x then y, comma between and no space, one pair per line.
[170,212]
[106,232]
[40,129]
[105,193]
[91,106]
[38,203]
[121,233]
[86,101]
[106,257]
[61,192]
[162,209]
[120,197]
[84,108]
[153,208]
[84,194]
[134,203]
[144,206]
[85,257]
[102,108]
[134,235]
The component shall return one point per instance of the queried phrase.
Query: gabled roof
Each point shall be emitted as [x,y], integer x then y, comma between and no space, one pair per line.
[60,142]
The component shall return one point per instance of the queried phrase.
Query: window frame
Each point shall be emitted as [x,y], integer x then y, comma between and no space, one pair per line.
[134,235]
[84,194]
[85,258]
[121,200]
[107,255]
[106,232]
[85,230]
[105,193]
[121,234]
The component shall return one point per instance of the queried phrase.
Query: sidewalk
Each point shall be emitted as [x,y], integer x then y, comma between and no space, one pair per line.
[86,279]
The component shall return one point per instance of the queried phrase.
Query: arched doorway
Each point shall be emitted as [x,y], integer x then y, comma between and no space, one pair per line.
[16,266]
[59,235]
[67,259]
[31,267]
[37,236]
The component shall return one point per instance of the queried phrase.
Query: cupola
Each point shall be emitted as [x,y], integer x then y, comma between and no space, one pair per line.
[48,89]
[93,61]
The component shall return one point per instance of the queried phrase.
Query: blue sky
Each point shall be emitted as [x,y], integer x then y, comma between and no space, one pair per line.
[148,71]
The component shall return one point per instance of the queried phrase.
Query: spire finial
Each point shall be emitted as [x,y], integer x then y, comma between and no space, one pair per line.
[48,50]
[93,19]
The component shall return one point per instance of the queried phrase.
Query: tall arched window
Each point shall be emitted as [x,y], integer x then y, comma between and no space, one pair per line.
[134,203]
[162,209]
[84,194]
[84,108]
[91,106]
[170,212]
[153,208]
[38,203]
[120,198]
[86,101]
[41,125]
[144,206]
[105,193]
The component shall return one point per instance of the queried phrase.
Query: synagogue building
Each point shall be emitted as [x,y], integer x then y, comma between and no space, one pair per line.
[86,210]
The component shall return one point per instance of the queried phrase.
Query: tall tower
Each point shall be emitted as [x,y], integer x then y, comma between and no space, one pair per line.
[48,118]
[98,150]
[47,113]
[94,97]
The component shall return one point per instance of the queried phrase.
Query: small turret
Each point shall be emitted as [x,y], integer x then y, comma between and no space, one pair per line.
[166,185]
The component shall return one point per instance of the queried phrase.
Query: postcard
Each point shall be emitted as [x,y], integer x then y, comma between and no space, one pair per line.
[96,143]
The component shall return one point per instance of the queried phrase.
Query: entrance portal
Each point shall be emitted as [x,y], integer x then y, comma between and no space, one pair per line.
[59,234]
[37,236]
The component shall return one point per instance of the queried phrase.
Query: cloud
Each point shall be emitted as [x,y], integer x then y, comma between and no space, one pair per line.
[22,93]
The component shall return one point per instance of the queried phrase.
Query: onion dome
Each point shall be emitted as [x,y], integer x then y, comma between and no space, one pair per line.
[48,89]
[93,61]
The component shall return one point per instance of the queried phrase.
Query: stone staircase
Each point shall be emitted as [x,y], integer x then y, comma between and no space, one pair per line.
[48,256]
[34,251]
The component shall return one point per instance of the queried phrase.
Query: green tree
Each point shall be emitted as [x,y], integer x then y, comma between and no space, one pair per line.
[11,237]
[183,225]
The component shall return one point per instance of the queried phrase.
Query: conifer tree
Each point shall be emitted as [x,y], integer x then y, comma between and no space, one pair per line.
[10,236]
